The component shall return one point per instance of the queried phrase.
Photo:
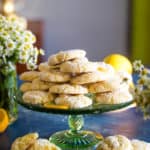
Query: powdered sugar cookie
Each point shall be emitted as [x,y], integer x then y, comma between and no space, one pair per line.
[37,97]
[27,86]
[44,66]
[111,84]
[140,145]
[68,89]
[23,143]
[63,56]
[117,142]
[78,66]
[90,77]
[76,101]
[55,76]
[103,67]
[115,97]
[43,144]
[29,75]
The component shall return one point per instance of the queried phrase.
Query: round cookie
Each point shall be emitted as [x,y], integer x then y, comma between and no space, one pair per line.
[73,101]
[43,144]
[78,66]
[115,97]
[37,97]
[23,143]
[39,81]
[63,56]
[44,66]
[108,85]
[55,76]
[51,97]
[54,67]
[68,89]
[36,84]
[27,86]
[104,98]
[103,67]
[90,77]
[29,76]
[100,87]
[140,145]
[117,142]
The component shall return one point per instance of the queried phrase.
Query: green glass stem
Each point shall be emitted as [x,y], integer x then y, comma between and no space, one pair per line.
[8,90]
[76,122]
[75,138]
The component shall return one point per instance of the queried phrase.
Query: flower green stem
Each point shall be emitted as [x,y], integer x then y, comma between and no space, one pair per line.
[8,90]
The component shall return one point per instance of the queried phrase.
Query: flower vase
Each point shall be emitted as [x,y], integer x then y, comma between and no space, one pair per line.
[8,90]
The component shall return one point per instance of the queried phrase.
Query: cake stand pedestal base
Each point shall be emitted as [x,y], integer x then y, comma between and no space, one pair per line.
[75,138]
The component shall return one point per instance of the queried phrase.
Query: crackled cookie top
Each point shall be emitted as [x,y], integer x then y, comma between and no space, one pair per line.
[140,145]
[63,56]
[37,97]
[43,144]
[73,101]
[23,143]
[78,66]
[117,142]
[55,76]
[29,75]
[68,89]
[90,77]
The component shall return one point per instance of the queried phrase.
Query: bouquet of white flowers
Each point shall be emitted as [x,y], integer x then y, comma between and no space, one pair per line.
[142,88]
[16,46]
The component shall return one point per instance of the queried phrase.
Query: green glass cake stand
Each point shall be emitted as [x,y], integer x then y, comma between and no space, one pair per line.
[75,138]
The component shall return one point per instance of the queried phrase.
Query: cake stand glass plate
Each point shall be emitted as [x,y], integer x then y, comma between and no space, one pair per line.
[75,138]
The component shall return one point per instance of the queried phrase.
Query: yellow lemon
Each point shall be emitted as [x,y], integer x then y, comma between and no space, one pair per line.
[119,62]
[4,121]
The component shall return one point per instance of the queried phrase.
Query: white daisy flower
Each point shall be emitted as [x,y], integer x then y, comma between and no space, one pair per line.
[17,43]
[138,66]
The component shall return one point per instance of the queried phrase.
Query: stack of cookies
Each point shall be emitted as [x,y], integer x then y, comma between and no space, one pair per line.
[63,67]
[114,90]
[68,76]
[35,91]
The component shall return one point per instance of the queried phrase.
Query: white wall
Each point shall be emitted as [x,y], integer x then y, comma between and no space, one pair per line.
[98,26]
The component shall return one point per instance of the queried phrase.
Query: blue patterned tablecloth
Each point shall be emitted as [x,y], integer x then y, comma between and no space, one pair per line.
[129,123]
